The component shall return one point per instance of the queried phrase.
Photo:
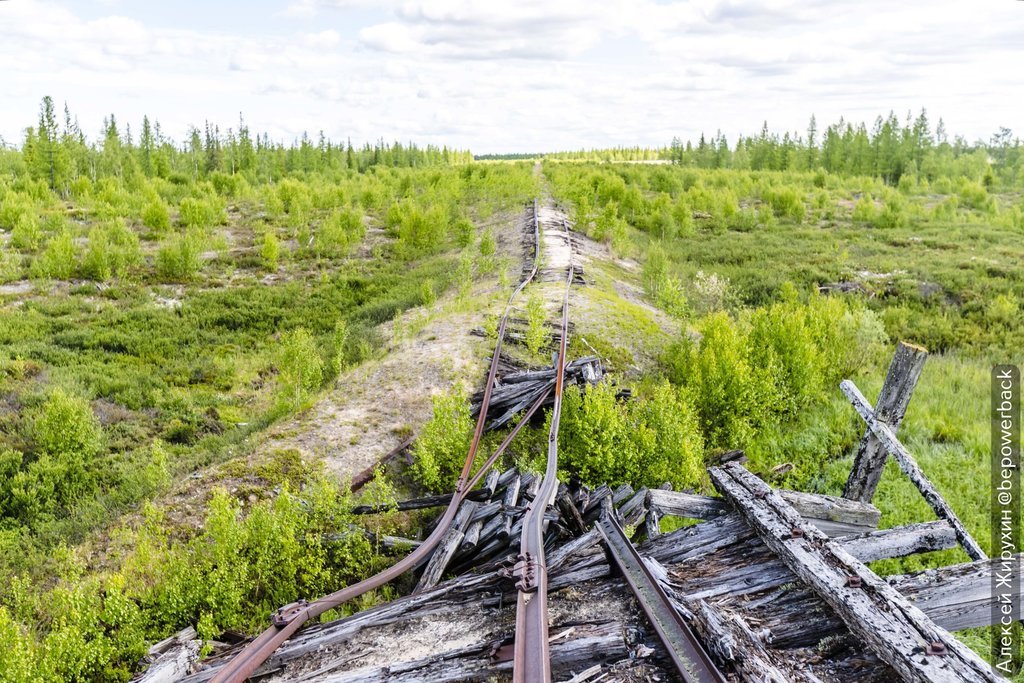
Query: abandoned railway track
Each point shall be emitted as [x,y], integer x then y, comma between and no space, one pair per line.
[288,619]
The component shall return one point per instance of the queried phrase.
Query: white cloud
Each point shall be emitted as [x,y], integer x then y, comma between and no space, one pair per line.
[515,75]
[328,38]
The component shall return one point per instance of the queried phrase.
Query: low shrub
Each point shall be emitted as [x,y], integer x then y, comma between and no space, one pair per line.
[443,444]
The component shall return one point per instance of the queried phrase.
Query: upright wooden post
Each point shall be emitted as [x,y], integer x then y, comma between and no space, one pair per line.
[900,381]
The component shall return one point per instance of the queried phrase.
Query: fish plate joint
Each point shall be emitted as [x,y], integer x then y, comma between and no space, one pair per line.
[526,569]
[287,614]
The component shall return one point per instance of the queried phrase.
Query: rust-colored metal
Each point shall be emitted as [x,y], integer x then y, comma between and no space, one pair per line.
[532,655]
[287,620]
[682,646]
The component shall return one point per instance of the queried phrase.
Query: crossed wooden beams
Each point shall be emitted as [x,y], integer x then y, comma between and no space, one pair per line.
[897,631]
[880,441]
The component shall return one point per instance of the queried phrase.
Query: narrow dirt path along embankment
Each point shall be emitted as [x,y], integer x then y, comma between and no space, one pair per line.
[376,406]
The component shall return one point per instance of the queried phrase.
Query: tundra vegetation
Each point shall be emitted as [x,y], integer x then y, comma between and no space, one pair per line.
[162,304]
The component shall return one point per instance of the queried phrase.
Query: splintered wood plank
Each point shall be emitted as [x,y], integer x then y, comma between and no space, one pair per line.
[898,632]
[869,462]
[835,516]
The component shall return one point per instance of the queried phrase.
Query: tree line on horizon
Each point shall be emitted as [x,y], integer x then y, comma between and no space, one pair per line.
[60,153]
[889,150]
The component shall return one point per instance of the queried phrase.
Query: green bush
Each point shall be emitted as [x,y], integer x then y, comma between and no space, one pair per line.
[786,202]
[537,334]
[68,438]
[463,231]
[720,380]
[974,195]
[201,213]
[649,440]
[179,259]
[338,232]
[156,217]
[864,211]
[487,244]
[229,575]
[442,446]
[13,207]
[893,214]
[112,251]
[421,231]
[772,364]
[663,289]
[270,250]
[57,260]
[300,368]
[10,265]
[26,234]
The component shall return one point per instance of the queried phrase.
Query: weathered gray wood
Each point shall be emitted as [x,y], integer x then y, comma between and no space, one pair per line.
[593,504]
[471,537]
[901,541]
[956,597]
[581,645]
[833,515]
[571,516]
[421,503]
[633,510]
[869,462]
[621,494]
[486,511]
[491,481]
[447,548]
[898,632]
[747,567]
[174,658]
[888,440]
[508,502]
[731,642]
[652,520]
[506,476]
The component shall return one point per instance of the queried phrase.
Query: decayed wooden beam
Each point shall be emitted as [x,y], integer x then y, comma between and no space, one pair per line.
[582,645]
[731,642]
[888,440]
[833,515]
[955,598]
[869,462]
[174,658]
[421,503]
[571,516]
[901,541]
[747,567]
[652,520]
[445,551]
[899,633]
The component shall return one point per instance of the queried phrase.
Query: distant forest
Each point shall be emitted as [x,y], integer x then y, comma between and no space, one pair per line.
[60,153]
[888,150]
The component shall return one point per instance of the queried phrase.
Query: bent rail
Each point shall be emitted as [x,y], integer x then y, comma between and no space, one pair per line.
[532,655]
[288,619]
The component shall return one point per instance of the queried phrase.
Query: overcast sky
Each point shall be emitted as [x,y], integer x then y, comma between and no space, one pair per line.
[526,75]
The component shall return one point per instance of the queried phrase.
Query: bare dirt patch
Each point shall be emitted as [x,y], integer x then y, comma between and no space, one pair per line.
[376,406]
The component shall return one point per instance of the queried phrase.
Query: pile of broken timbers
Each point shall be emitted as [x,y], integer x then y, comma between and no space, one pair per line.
[774,582]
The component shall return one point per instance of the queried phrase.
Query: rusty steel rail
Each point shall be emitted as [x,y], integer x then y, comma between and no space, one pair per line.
[288,619]
[687,654]
[532,654]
